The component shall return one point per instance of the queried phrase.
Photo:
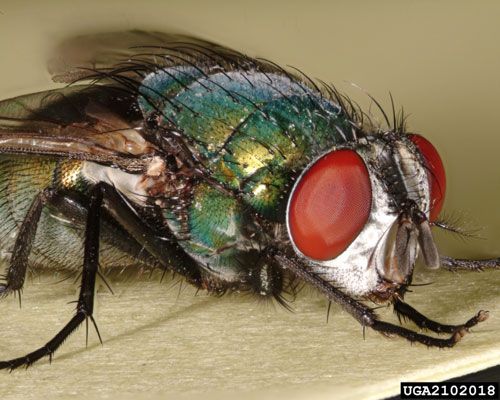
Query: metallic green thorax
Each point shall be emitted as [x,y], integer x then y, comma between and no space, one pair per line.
[255,132]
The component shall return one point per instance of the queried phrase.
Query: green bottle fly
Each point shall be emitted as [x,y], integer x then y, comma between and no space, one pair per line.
[167,152]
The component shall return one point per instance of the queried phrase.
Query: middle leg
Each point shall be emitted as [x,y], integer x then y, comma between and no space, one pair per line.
[456,264]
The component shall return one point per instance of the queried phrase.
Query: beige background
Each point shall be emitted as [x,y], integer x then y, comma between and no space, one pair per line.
[441,60]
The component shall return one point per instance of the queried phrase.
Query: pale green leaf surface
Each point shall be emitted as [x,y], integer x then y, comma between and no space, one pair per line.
[159,341]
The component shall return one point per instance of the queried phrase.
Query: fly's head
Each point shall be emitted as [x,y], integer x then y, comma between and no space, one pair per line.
[360,214]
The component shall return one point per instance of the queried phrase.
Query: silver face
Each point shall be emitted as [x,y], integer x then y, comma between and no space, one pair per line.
[367,260]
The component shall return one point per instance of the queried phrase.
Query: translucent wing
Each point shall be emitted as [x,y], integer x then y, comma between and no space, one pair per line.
[97,118]
[114,94]
[82,122]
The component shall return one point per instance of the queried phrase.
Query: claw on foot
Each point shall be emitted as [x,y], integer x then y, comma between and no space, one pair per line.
[482,315]
[479,317]
[464,329]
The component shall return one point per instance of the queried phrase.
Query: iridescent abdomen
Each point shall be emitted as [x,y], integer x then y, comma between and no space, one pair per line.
[58,242]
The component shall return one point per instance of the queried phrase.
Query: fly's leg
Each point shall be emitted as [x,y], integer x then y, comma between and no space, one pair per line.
[136,233]
[406,311]
[455,264]
[85,304]
[267,279]
[362,313]
[16,272]
[165,250]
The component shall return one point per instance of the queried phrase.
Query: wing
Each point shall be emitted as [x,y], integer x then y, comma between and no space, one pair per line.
[97,117]
[88,122]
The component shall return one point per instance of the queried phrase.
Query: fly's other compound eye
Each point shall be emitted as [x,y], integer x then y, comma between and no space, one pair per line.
[435,173]
[330,205]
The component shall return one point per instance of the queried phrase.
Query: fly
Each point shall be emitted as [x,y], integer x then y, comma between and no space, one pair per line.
[236,174]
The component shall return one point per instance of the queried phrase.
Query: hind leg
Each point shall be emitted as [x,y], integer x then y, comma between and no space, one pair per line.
[103,195]
[16,272]
[85,304]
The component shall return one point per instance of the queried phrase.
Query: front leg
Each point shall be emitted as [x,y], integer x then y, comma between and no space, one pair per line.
[406,311]
[362,313]
[455,264]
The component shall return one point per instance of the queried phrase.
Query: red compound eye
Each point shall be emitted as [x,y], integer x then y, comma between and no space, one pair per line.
[330,205]
[435,173]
